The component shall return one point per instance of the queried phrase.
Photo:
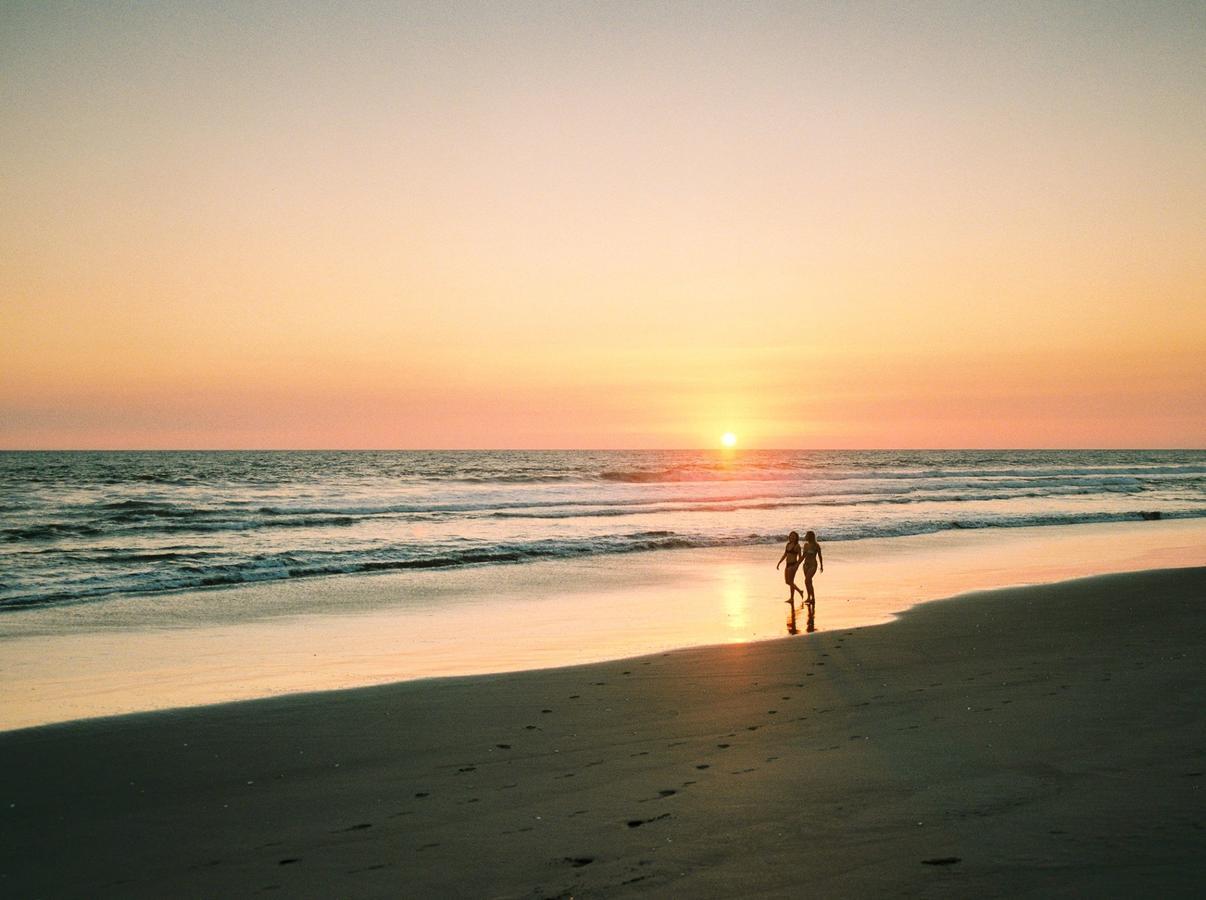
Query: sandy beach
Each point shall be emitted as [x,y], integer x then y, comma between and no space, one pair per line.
[1042,741]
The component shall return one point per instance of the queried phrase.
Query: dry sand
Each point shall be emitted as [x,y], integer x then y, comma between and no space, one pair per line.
[1043,741]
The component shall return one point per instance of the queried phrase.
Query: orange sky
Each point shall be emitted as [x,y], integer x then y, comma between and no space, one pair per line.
[516,225]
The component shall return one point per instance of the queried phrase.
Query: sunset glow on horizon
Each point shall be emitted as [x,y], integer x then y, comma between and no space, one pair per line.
[479,225]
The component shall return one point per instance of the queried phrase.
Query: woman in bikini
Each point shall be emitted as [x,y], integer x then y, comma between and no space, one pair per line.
[792,555]
[812,556]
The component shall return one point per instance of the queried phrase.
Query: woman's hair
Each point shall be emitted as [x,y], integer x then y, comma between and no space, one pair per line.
[810,536]
[793,538]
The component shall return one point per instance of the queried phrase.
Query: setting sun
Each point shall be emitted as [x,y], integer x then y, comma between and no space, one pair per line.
[728,439]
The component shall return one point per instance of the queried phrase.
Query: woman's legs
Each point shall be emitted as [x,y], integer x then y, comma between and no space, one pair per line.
[809,571]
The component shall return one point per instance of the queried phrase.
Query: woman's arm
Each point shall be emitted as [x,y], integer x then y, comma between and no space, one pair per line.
[780,562]
[820,558]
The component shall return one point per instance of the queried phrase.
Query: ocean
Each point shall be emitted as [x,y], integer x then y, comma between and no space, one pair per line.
[82,527]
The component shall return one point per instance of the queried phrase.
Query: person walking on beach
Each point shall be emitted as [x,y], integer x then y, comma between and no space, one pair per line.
[792,556]
[812,556]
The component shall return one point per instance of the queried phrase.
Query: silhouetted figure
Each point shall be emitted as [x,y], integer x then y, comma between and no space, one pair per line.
[812,556]
[792,556]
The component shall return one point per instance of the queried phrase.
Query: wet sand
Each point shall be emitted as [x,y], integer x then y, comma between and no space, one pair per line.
[174,650]
[1043,741]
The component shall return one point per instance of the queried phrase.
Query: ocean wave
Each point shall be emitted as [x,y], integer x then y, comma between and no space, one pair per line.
[148,516]
[190,570]
[46,531]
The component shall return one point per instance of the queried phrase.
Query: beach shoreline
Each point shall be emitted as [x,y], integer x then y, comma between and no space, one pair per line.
[1045,740]
[220,645]
[144,653]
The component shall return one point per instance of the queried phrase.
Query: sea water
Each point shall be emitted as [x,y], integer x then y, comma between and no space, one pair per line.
[84,527]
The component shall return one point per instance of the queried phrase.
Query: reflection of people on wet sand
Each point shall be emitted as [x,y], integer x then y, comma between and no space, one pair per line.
[792,556]
[812,556]
[810,625]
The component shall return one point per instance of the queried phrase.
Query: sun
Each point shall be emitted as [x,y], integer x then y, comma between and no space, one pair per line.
[728,439]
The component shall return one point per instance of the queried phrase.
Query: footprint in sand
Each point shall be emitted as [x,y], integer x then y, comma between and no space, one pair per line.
[288,861]
[579,861]
[942,861]
[637,823]
[703,766]
[360,827]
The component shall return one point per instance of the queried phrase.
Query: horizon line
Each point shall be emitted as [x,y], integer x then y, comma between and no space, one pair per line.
[728,450]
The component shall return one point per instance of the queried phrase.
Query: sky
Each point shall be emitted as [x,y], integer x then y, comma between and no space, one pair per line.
[502,224]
